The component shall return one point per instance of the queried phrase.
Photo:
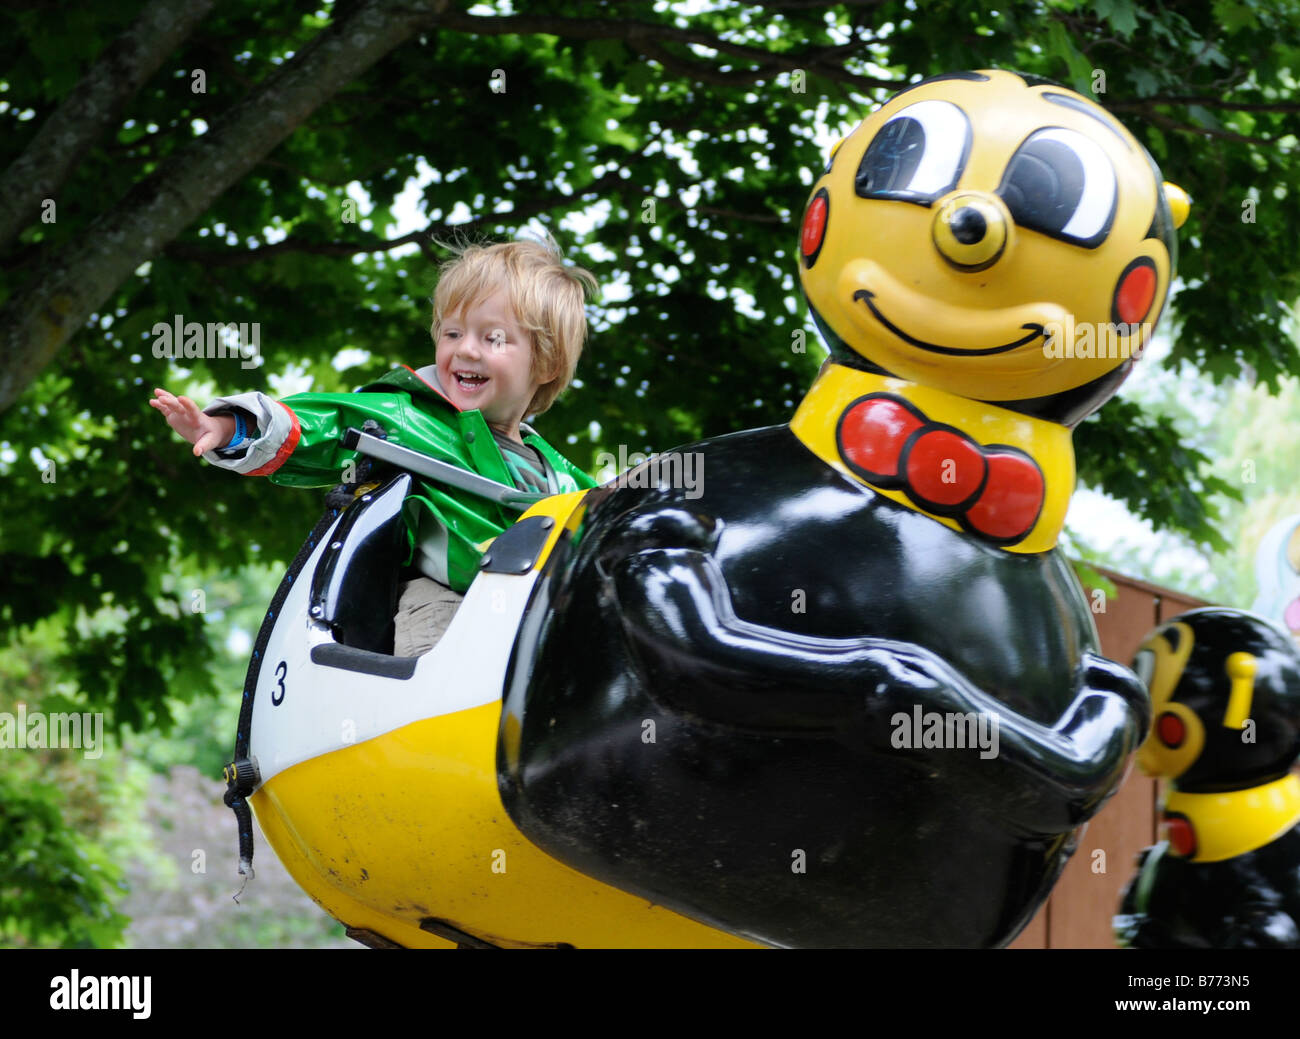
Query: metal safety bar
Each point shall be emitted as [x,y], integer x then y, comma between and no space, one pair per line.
[417,462]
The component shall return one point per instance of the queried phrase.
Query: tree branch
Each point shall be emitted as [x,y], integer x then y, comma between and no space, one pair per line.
[1205,131]
[94,105]
[37,319]
[735,214]
[302,174]
[1205,102]
[804,5]
[700,71]
[235,257]
[242,257]
[640,34]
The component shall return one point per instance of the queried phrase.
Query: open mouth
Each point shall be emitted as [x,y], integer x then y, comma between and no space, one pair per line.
[469,382]
[1036,331]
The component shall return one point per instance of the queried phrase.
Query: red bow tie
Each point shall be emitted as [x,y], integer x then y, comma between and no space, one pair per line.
[994,491]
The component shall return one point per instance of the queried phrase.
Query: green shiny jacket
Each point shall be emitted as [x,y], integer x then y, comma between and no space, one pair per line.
[448,528]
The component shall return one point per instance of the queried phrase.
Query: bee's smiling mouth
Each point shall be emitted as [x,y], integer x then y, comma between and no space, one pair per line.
[1036,331]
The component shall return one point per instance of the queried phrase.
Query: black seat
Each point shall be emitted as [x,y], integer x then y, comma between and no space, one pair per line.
[354,588]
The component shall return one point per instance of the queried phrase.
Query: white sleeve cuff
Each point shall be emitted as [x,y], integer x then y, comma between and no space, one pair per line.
[274,422]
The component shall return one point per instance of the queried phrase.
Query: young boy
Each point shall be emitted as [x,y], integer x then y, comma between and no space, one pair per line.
[508,327]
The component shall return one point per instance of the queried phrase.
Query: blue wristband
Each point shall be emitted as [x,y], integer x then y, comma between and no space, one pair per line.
[240,430]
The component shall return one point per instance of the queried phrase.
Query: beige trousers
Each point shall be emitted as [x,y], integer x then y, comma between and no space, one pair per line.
[424,611]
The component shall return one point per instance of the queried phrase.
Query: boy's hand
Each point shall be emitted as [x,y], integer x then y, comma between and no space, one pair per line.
[205,432]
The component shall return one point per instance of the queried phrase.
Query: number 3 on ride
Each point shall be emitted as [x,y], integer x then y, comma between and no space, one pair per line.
[277,695]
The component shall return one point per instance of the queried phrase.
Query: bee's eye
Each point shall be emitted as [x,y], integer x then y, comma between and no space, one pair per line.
[1061,184]
[918,155]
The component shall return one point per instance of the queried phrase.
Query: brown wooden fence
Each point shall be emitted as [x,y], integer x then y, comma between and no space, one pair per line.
[1078,914]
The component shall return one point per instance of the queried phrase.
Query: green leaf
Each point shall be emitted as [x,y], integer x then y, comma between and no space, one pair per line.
[1233,15]
[1122,15]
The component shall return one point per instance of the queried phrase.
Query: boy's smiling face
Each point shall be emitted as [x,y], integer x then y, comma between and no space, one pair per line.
[485,361]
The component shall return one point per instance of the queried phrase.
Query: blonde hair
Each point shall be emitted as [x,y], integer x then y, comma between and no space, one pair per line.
[545,293]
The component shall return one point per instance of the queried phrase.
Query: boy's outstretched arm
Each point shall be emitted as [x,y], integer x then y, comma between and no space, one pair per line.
[297,442]
[294,442]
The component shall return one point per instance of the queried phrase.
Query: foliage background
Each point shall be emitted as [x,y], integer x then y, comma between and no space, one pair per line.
[697,107]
